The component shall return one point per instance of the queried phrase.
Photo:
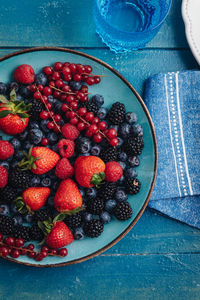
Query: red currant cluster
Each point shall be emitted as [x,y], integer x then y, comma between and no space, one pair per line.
[15,247]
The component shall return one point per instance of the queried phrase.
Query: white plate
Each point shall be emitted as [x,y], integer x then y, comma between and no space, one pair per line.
[191,17]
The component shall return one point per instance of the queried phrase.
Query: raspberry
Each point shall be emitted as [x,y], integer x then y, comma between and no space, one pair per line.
[64,169]
[24,74]
[3,177]
[70,132]
[113,171]
[6,150]
[66,148]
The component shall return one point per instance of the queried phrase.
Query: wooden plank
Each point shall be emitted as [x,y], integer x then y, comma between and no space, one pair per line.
[118,277]
[66,23]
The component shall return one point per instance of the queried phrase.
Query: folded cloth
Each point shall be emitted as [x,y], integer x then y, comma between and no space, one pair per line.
[173,100]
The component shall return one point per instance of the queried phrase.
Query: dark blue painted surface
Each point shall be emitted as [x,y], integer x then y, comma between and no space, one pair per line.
[159,258]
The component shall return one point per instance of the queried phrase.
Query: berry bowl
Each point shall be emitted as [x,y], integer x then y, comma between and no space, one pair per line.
[87,158]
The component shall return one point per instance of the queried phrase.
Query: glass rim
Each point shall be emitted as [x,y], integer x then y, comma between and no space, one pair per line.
[139,32]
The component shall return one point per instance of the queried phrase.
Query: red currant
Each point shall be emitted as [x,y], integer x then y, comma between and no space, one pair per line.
[45,142]
[111,133]
[19,242]
[58,66]
[59,83]
[57,118]
[63,252]
[85,99]
[40,87]
[45,248]
[84,89]
[56,75]
[74,105]
[63,97]
[15,253]
[44,115]
[72,114]
[90,81]
[53,251]
[44,253]
[95,120]
[93,128]
[66,64]
[80,68]
[80,126]
[72,68]
[39,257]
[31,254]
[4,251]
[97,137]
[80,95]
[70,98]
[84,77]
[66,88]
[47,91]
[88,133]
[49,105]
[89,116]
[97,79]
[68,77]
[37,95]
[66,71]
[82,111]
[102,125]
[88,69]
[67,114]
[114,142]
[52,83]
[77,77]
[10,241]
[30,247]
[56,94]
[56,128]
[44,99]
[47,70]
[23,251]
[32,88]
[74,121]
[1,237]
[50,125]
[64,107]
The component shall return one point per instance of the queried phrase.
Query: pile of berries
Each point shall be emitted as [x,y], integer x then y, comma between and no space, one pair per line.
[71,163]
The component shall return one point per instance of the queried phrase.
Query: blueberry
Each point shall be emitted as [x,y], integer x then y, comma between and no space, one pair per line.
[17,219]
[133,161]
[4,210]
[130,173]
[13,208]
[78,233]
[102,112]
[46,182]
[95,150]
[50,201]
[62,122]
[98,100]
[4,164]
[14,164]
[84,145]
[35,181]
[120,195]
[122,156]
[55,148]
[122,164]
[28,218]
[13,85]
[57,105]
[18,156]
[125,130]
[137,130]
[120,142]
[15,143]
[41,78]
[121,180]
[35,136]
[52,137]
[87,217]
[51,99]
[110,205]
[3,88]
[91,193]
[131,117]
[76,86]
[34,125]
[23,135]
[55,186]
[43,126]
[27,145]
[82,192]
[24,91]
[105,217]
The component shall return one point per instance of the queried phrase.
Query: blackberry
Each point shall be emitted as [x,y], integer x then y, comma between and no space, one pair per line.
[42,214]
[20,179]
[91,107]
[7,194]
[109,154]
[116,114]
[6,225]
[132,185]
[73,221]
[95,206]
[107,190]
[133,146]
[123,211]
[36,233]
[93,228]
[23,232]
[35,110]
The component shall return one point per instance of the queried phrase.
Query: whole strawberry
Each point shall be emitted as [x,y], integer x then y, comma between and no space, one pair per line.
[89,170]
[67,196]
[70,132]
[64,169]
[24,74]
[113,171]
[59,236]
[3,177]
[39,160]
[6,150]
[32,199]
[66,147]
[13,114]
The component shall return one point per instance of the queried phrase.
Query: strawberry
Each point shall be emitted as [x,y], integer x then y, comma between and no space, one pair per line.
[39,160]
[113,171]
[67,196]
[24,74]
[13,114]
[32,199]
[70,132]
[89,170]
[3,177]
[59,236]
[66,148]
[6,150]
[64,169]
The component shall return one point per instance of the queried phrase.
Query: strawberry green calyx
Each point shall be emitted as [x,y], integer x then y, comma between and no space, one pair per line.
[98,178]
[28,162]
[22,207]
[14,106]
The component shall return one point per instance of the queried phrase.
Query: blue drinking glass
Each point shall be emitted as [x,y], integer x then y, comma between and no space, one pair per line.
[126,25]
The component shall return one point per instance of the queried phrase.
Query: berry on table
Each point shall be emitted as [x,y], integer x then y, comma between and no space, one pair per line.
[35,136]
[131,117]
[66,147]
[6,149]
[102,113]
[24,74]
[105,217]
[78,233]
[133,161]
[83,145]
[98,100]
[125,130]
[110,205]
[41,78]
[121,195]
[70,132]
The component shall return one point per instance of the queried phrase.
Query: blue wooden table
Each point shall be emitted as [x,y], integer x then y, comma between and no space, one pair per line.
[160,257]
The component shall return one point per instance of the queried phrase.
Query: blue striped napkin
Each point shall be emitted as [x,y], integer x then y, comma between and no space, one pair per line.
[173,100]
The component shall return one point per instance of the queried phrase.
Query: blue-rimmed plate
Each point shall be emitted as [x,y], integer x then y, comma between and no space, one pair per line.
[114,88]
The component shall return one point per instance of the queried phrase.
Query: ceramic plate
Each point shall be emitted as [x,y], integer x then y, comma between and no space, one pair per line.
[114,88]
[190,13]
